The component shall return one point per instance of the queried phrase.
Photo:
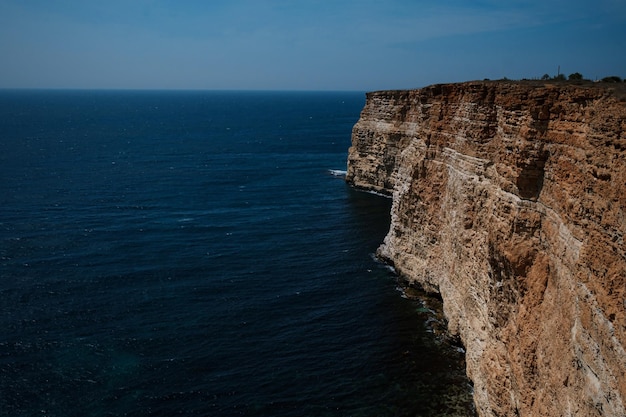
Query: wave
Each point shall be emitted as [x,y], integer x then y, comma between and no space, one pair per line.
[337,172]
[379,194]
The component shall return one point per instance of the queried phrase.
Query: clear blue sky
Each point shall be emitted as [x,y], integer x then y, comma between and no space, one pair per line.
[303,44]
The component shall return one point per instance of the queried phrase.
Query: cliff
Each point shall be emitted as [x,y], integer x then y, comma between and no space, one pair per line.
[509,199]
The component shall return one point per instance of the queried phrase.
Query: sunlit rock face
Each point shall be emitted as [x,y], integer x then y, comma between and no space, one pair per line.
[509,200]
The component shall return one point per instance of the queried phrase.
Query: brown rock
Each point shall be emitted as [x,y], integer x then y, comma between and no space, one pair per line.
[509,199]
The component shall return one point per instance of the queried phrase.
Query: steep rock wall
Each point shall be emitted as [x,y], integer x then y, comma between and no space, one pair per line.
[509,199]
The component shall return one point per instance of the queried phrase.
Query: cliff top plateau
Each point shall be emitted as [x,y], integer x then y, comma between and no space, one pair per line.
[613,88]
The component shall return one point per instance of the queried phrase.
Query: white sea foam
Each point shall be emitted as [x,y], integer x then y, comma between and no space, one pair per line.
[379,194]
[337,172]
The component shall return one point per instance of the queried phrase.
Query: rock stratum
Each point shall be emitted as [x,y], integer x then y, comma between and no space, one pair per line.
[509,200]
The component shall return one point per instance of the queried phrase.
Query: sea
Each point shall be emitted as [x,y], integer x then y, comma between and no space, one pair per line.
[198,253]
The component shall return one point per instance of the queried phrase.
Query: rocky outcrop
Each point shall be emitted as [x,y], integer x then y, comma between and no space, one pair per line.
[509,199]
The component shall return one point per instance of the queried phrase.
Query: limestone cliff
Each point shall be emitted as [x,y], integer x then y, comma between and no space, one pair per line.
[509,199]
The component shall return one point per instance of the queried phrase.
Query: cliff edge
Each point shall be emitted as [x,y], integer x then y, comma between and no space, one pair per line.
[509,199]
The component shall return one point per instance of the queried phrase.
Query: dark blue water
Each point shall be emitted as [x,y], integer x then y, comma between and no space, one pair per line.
[191,253]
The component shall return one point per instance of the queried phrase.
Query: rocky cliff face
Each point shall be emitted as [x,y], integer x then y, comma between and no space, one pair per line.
[509,199]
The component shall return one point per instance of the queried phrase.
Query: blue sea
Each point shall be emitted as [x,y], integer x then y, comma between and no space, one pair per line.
[199,253]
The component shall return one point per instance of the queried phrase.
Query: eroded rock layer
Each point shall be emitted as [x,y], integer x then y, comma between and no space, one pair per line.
[509,199]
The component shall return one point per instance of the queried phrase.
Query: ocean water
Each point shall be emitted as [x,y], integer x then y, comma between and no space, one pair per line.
[198,253]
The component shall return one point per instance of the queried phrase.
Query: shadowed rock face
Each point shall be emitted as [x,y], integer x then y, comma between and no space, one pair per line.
[509,199]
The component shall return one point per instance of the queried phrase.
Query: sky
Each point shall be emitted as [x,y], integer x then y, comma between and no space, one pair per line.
[359,45]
